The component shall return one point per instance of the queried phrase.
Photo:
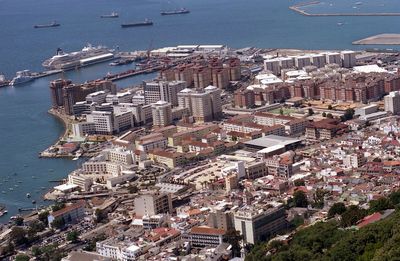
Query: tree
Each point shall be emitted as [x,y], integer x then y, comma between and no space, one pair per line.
[281,111]
[395,197]
[310,111]
[133,189]
[58,223]
[336,209]
[22,258]
[19,221]
[8,249]
[319,198]
[329,116]
[57,206]
[18,236]
[379,205]
[352,215]
[43,217]
[348,114]
[233,237]
[299,182]
[300,199]
[324,114]
[36,251]
[330,107]
[99,215]
[73,236]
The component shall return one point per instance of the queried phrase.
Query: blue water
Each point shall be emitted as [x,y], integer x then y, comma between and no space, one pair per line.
[346,6]
[25,126]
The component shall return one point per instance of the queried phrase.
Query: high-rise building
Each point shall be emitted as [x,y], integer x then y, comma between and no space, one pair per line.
[153,204]
[257,224]
[348,59]
[392,102]
[216,103]
[244,98]
[201,77]
[56,90]
[220,77]
[204,105]
[162,113]
[163,91]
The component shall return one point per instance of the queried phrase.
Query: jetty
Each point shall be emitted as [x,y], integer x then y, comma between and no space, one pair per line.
[381,39]
[298,8]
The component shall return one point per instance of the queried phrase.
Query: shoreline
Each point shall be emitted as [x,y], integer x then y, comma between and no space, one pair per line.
[297,9]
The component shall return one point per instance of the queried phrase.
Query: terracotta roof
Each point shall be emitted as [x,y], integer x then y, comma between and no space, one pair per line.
[369,219]
[203,230]
[68,208]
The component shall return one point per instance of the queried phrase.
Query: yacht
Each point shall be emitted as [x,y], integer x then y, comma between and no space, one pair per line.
[112,15]
[22,77]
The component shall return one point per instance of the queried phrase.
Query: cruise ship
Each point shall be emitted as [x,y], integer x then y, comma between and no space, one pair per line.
[22,77]
[87,56]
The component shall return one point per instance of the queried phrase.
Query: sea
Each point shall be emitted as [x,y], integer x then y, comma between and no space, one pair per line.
[25,126]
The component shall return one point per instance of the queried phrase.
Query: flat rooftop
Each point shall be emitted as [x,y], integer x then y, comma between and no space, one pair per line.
[272,140]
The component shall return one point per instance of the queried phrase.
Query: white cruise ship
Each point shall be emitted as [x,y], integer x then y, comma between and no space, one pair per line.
[87,56]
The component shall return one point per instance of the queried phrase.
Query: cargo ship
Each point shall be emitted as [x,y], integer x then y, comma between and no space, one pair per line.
[176,12]
[87,56]
[146,22]
[53,24]
[112,15]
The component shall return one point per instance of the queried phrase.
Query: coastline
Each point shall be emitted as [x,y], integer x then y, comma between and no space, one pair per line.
[60,118]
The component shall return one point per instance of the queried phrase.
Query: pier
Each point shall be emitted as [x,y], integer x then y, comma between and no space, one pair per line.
[131,73]
[297,8]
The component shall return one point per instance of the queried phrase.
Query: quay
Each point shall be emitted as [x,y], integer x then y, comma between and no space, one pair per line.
[297,8]
[131,73]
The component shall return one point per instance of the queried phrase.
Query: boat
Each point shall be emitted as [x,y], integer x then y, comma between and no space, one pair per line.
[87,56]
[122,62]
[3,81]
[175,12]
[146,22]
[339,23]
[112,15]
[28,195]
[22,77]
[33,201]
[2,213]
[358,3]
[53,24]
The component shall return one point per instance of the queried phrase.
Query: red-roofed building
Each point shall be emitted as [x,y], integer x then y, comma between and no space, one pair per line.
[202,236]
[70,214]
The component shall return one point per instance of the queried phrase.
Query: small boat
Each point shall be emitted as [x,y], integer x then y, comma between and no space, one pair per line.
[11,189]
[112,15]
[33,201]
[28,195]
[146,22]
[339,23]
[121,62]
[2,213]
[3,81]
[53,24]
[4,192]
[358,3]
[176,12]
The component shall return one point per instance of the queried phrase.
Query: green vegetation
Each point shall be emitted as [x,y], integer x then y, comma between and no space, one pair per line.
[22,258]
[348,115]
[58,223]
[91,245]
[57,206]
[300,199]
[328,241]
[73,236]
[282,111]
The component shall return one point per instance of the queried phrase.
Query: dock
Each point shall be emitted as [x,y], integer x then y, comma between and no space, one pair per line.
[297,8]
[131,73]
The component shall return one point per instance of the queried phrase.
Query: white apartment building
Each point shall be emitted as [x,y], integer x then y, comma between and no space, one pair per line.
[97,97]
[153,204]
[348,59]
[163,91]
[103,121]
[162,113]
[392,102]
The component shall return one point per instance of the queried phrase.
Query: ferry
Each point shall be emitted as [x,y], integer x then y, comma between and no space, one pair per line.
[22,77]
[112,15]
[146,22]
[176,12]
[53,24]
